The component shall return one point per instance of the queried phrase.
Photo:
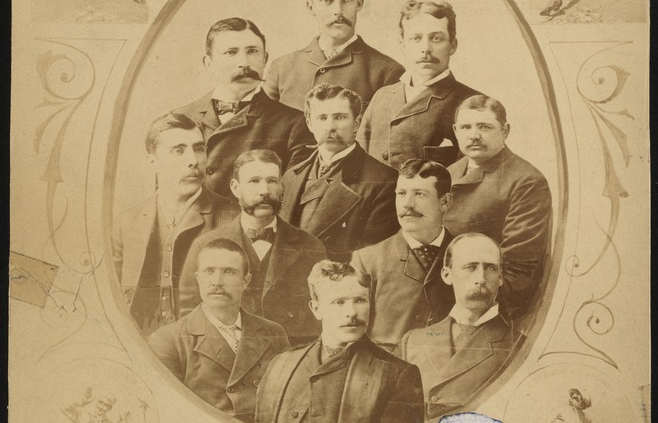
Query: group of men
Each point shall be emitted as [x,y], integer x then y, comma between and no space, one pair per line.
[369,216]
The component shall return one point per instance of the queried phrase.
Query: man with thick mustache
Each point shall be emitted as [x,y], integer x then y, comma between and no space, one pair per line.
[339,194]
[280,255]
[150,241]
[343,377]
[237,115]
[337,56]
[497,193]
[219,350]
[460,355]
[405,269]
[414,117]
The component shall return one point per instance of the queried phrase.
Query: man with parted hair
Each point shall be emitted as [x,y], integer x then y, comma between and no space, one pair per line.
[460,355]
[237,115]
[405,268]
[150,240]
[414,117]
[337,56]
[339,194]
[343,377]
[220,351]
[280,255]
[499,194]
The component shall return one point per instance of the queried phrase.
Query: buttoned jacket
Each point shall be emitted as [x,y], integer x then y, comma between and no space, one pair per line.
[285,294]
[451,381]
[358,67]
[394,129]
[263,124]
[197,354]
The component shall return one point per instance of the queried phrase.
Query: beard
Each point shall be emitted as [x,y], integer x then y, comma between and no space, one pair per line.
[250,208]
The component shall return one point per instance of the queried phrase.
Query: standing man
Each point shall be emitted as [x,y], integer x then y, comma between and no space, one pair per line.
[460,355]
[280,255]
[414,117]
[342,377]
[337,56]
[497,193]
[237,115]
[150,241]
[405,269]
[219,350]
[339,194]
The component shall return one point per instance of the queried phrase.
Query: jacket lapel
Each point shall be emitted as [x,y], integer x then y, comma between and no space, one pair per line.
[210,343]
[412,267]
[343,57]
[209,117]
[283,255]
[421,102]
[251,348]
[194,216]
[295,187]
[146,226]
[438,350]
[398,100]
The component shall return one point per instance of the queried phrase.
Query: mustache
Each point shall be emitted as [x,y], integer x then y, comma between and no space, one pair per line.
[333,136]
[218,290]
[193,174]
[354,321]
[245,72]
[480,293]
[341,20]
[410,212]
[428,59]
[265,200]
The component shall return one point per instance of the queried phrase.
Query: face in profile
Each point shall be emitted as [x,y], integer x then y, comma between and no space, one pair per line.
[426,45]
[336,19]
[258,188]
[479,134]
[238,57]
[332,123]
[419,208]
[475,273]
[221,277]
[344,309]
[576,399]
[179,160]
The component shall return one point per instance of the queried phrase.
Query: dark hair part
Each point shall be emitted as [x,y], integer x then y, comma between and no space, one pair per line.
[482,102]
[265,156]
[425,169]
[227,244]
[231,24]
[327,92]
[447,258]
[164,123]
[327,270]
[439,10]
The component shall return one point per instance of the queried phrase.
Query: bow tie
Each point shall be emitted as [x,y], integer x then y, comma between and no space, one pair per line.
[265,234]
[222,107]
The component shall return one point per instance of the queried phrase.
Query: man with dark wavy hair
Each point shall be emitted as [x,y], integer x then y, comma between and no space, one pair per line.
[237,115]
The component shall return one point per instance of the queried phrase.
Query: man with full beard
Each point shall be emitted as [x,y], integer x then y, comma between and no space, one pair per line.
[280,256]
[460,355]
[237,115]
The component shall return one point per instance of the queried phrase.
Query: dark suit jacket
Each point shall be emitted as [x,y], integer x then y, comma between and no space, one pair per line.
[508,200]
[131,236]
[394,130]
[197,354]
[403,295]
[357,211]
[264,123]
[363,384]
[451,381]
[285,290]
[358,67]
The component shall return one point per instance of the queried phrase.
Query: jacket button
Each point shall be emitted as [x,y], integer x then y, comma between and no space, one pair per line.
[385,155]
[291,314]
[165,274]
[314,379]
[210,170]
[230,389]
[322,70]
[419,318]
[256,382]
[294,414]
[434,399]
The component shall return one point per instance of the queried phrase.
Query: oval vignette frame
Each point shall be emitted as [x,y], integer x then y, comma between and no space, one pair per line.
[549,279]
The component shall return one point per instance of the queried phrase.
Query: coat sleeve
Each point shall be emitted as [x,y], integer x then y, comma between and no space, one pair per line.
[188,287]
[271,85]
[405,404]
[365,130]
[382,221]
[163,344]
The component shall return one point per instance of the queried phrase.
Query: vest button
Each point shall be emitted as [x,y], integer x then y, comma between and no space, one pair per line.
[165,274]
[314,379]
[256,382]
[230,389]
[385,155]
[322,70]
[291,314]
[210,170]
[434,399]
[294,414]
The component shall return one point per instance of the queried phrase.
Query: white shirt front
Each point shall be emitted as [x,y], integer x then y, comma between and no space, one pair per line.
[232,337]
[260,246]
[413,243]
[411,91]
[325,48]
[459,314]
[329,160]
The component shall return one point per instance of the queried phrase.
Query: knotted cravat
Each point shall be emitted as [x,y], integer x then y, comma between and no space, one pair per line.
[265,234]
[232,331]
[467,331]
[222,107]
[427,254]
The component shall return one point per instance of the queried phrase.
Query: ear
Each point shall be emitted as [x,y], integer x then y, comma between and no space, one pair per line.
[313,305]
[453,46]
[445,201]
[151,159]
[506,129]
[266,57]
[207,61]
[357,123]
[445,275]
[235,188]
[247,279]
[359,5]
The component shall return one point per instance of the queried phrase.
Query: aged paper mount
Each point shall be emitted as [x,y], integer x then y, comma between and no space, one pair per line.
[88,75]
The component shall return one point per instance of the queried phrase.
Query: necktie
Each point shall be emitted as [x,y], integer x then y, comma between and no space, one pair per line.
[330,53]
[233,333]
[265,234]
[222,107]
[427,254]
[467,331]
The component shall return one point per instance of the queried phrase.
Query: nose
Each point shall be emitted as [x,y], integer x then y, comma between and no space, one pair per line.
[191,158]
[330,124]
[262,187]
[478,275]
[408,201]
[350,311]
[336,7]
[474,134]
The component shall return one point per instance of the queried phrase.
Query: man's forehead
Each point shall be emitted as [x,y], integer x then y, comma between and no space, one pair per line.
[331,105]
[467,115]
[417,182]
[426,23]
[349,286]
[246,37]
[258,168]
[476,250]
[175,136]
[220,257]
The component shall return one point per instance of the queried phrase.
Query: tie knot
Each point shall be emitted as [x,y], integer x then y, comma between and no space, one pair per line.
[265,234]
[222,107]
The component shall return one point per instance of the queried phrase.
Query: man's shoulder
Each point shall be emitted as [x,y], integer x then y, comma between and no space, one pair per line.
[464,90]
[376,171]
[290,58]
[383,355]
[379,251]
[175,330]
[220,232]
[266,325]
[279,110]
[194,108]
[521,167]
[131,213]
[303,240]
[375,56]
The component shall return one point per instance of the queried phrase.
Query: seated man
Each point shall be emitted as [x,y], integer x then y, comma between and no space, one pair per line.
[497,193]
[405,269]
[461,354]
[220,351]
[342,377]
[339,194]
[280,255]
[150,241]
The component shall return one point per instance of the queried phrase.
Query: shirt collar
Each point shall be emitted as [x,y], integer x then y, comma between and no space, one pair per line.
[180,211]
[406,78]
[413,243]
[458,313]
[336,156]
[218,323]
[245,225]
[324,47]
[218,93]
